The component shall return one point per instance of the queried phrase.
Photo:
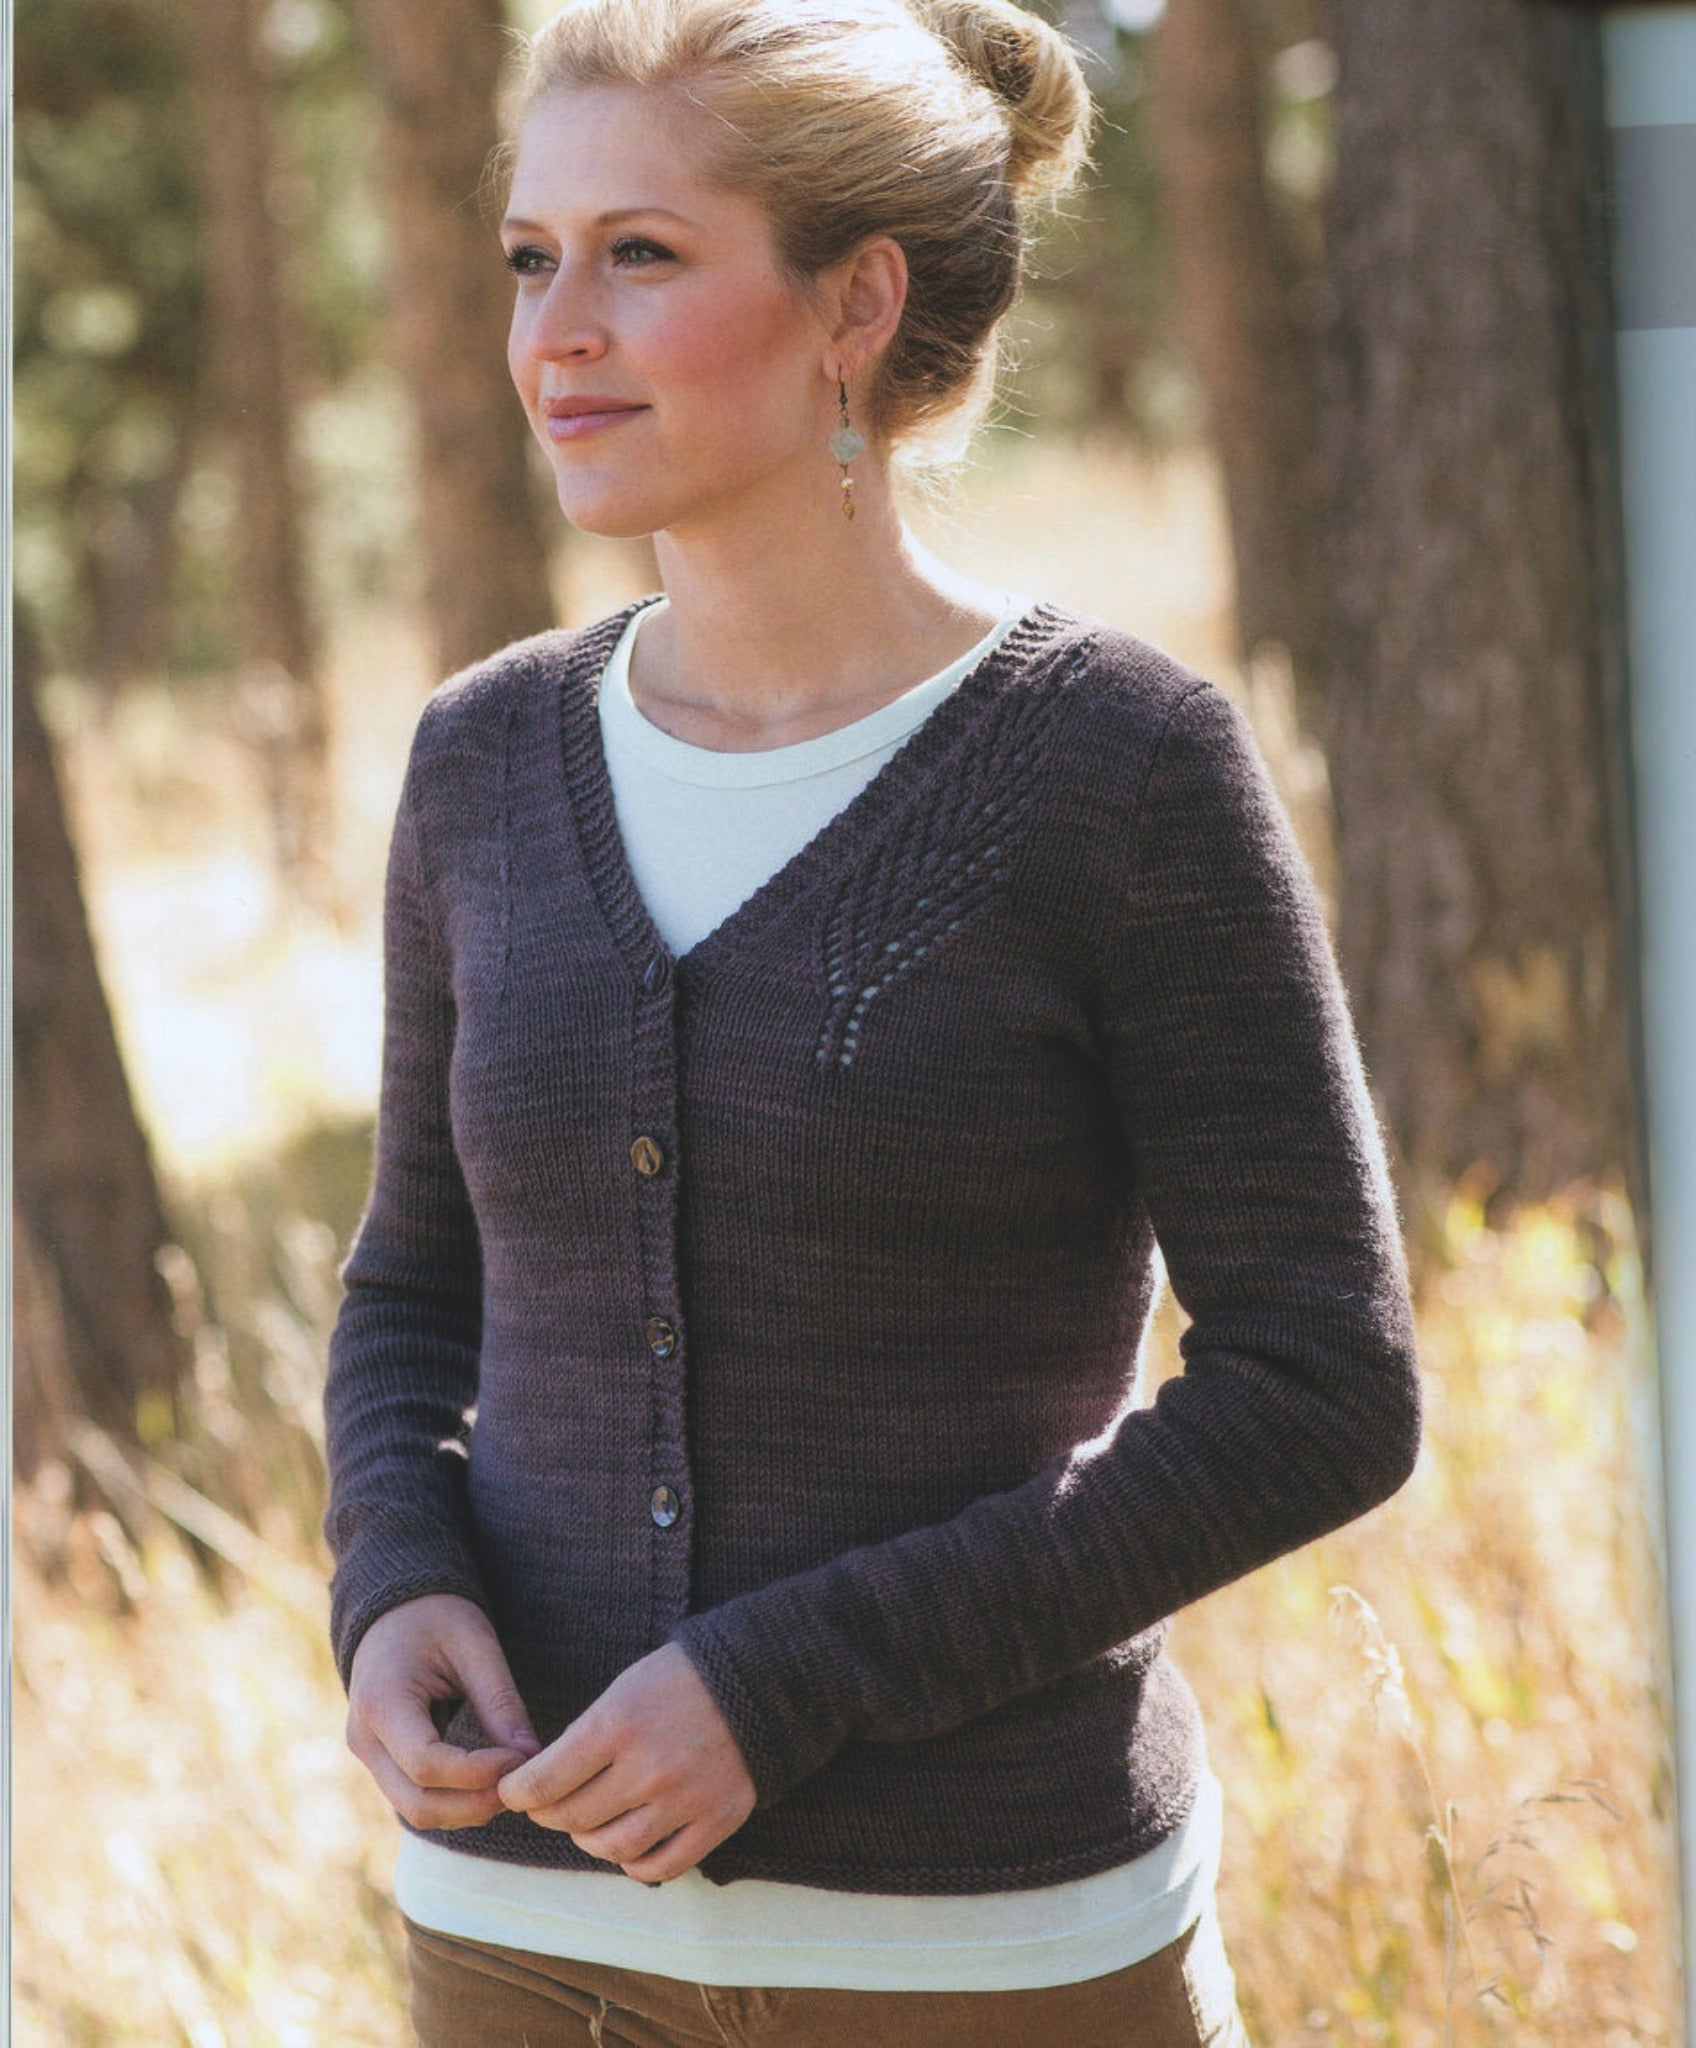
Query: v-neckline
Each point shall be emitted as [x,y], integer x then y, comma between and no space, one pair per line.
[588,789]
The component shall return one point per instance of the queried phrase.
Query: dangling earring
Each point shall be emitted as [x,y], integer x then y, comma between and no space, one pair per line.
[845,444]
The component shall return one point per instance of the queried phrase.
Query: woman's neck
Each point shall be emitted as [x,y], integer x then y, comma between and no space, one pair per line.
[783,630]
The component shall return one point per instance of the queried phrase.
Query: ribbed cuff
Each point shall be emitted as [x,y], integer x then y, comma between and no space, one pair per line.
[387,1567]
[780,1751]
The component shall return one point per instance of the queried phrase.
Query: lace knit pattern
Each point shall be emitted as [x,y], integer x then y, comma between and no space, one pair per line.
[944,862]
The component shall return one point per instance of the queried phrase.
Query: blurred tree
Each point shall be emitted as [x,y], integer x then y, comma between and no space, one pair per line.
[436,71]
[109,341]
[128,525]
[1473,686]
[1243,315]
[1409,388]
[278,701]
[94,1328]
[1099,337]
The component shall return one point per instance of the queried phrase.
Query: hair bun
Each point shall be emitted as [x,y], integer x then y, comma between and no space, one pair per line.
[1032,69]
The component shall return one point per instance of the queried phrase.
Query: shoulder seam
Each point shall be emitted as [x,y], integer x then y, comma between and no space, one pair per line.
[408,818]
[1197,686]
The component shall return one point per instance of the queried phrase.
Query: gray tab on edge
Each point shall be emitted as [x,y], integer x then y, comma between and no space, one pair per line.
[1654,222]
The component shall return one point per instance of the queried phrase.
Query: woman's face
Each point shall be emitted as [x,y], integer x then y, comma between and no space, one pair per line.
[671,373]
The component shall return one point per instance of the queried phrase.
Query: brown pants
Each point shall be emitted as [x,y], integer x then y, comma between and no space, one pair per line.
[470,1994]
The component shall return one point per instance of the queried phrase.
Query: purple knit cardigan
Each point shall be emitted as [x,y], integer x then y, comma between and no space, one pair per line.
[785,1299]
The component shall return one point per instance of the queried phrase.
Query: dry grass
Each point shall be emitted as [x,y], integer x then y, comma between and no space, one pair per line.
[1448,1782]
[195,1860]
[1444,1732]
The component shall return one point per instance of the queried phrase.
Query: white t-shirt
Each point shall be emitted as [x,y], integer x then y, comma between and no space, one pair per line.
[702,831]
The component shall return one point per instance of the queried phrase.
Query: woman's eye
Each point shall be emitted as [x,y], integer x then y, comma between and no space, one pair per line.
[526,260]
[636,252]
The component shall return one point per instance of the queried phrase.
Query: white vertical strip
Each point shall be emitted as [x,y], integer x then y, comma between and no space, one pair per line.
[1651,60]
[1651,73]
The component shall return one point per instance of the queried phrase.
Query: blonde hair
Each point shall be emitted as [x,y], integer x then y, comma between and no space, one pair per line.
[936,123]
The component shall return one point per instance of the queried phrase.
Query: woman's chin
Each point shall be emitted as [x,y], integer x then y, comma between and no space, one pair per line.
[607,519]
[613,529]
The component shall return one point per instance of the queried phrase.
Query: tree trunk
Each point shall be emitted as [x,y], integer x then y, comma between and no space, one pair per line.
[436,70]
[1235,279]
[131,566]
[1472,702]
[279,704]
[94,1326]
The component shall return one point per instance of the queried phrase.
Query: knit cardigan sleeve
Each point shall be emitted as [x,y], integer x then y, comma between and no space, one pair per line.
[403,1357]
[1233,1065]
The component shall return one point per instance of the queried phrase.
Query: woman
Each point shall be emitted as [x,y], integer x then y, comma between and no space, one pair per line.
[809,999]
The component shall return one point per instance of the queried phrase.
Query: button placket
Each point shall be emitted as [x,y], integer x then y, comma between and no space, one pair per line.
[654,1168]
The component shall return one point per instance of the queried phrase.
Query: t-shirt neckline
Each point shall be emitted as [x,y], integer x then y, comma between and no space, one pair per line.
[708,767]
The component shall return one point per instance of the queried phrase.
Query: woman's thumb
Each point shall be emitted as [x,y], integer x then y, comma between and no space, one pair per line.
[493,1696]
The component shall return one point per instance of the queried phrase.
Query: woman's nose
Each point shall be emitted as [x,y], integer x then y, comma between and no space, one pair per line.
[564,325]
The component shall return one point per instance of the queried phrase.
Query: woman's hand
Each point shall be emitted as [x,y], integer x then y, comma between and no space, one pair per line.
[649,1777]
[413,1658]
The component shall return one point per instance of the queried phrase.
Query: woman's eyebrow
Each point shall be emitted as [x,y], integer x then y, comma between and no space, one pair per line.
[601,220]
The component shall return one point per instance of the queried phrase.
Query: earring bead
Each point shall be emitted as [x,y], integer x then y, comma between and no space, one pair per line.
[844,445]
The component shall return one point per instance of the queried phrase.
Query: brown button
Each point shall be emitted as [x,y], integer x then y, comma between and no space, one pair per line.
[662,1338]
[665,1507]
[646,1157]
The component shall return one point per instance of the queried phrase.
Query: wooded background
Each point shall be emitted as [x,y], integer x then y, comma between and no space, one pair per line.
[1363,249]
[1351,257]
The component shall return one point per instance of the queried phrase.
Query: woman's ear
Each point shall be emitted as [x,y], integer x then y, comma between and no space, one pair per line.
[865,294]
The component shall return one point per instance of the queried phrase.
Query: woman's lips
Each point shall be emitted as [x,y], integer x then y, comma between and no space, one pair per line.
[571,419]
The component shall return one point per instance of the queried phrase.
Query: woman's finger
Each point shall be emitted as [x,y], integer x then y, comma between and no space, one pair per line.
[400,1724]
[631,1835]
[603,1800]
[573,1764]
[486,1680]
[675,1853]
[424,1807]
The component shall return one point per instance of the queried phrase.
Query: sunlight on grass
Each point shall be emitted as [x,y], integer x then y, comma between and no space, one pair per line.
[195,1860]
[1443,1732]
